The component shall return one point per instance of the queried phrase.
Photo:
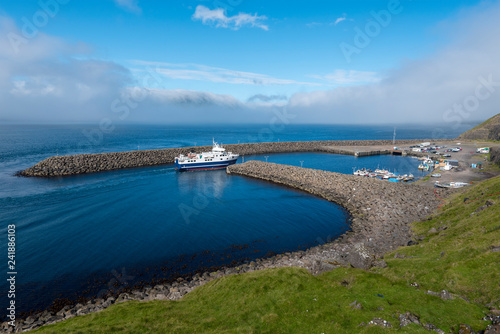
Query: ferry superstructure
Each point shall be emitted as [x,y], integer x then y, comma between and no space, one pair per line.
[216,159]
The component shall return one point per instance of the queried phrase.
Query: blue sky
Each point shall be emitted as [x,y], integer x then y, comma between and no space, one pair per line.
[243,61]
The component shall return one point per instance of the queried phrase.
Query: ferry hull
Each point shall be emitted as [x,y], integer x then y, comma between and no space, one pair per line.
[203,165]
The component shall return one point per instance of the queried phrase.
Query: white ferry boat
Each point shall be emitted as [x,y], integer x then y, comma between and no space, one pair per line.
[216,159]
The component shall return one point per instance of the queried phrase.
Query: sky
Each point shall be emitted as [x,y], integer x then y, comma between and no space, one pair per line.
[237,61]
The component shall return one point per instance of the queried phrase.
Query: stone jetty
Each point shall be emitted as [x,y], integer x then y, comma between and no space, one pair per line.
[381,211]
[92,163]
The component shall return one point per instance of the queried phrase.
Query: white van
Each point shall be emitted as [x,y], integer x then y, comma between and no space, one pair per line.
[483,150]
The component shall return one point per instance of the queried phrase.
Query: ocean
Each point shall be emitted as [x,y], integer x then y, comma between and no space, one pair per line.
[77,236]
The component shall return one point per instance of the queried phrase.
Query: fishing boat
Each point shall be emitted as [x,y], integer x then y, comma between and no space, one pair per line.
[407,178]
[424,166]
[216,159]
[381,171]
[362,172]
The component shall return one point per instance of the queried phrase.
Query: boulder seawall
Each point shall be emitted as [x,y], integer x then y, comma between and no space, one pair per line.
[99,162]
[382,211]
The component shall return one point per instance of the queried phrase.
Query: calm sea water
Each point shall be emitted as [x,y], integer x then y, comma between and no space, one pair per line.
[81,235]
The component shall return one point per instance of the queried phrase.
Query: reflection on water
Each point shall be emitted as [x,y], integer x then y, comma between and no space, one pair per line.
[209,183]
[155,223]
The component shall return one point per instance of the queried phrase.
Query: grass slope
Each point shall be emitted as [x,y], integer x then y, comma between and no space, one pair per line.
[459,259]
[486,131]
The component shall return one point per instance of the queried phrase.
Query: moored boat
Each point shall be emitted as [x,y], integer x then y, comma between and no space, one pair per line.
[216,159]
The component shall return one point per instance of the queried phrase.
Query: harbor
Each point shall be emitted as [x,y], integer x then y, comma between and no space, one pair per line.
[91,163]
[380,212]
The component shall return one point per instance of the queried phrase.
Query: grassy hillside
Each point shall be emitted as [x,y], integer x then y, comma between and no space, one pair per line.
[458,251]
[488,130]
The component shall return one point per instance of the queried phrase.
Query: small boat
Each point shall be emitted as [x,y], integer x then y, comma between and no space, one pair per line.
[362,172]
[451,184]
[389,175]
[216,159]
[381,171]
[425,167]
[447,167]
[407,178]
[436,175]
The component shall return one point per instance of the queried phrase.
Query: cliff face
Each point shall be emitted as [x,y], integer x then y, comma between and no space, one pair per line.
[488,130]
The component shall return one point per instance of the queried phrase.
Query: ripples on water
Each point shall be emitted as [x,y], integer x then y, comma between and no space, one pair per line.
[152,222]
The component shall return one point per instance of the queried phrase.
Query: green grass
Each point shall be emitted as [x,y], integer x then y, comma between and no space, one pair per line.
[290,300]
[479,126]
[468,266]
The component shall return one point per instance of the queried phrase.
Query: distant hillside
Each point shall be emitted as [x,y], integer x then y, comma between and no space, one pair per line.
[488,130]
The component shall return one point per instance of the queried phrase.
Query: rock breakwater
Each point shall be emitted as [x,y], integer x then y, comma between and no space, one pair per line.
[92,163]
[381,211]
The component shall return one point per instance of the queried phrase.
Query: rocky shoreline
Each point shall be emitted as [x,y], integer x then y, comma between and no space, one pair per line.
[92,163]
[381,212]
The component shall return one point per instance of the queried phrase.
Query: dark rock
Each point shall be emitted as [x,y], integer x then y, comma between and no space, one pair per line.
[445,295]
[407,318]
[432,293]
[380,322]
[465,329]
[356,306]
[432,231]
[492,329]
[429,326]
[379,264]
[399,256]
[486,205]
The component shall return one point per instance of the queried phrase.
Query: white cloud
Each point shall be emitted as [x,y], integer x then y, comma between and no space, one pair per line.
[130,5]
[51,80]
[217,75]
[425,90]
[221,20]
[48,79]
[340,19]
[344,77]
